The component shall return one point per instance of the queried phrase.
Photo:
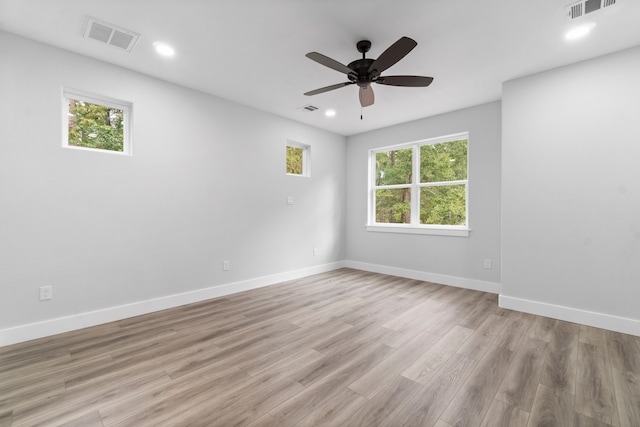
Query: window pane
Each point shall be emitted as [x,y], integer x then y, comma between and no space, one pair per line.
[443,205]
[95,126]
[394,167]
[393,205]
[446,161]
[294,160]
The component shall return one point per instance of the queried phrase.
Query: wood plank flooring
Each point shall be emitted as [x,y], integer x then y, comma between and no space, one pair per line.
[344,348]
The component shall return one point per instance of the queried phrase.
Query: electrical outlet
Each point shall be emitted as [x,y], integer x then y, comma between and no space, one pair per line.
[226,265]
[290,200]
[46,293]
[487,263]
[315,251]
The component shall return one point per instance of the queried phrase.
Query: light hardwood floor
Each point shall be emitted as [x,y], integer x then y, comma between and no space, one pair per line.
[345,348]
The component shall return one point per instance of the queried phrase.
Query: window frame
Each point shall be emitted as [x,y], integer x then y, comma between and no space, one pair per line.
[81,95]
[306,158]
[414,227]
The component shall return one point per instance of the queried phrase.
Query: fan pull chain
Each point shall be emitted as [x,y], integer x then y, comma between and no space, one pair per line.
[361,112]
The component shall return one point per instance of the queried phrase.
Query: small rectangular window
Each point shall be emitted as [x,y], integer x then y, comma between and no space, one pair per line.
[96,122]
[298,157]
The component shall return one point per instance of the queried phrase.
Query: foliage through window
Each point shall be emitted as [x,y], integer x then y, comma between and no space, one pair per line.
[421,184]
[95,122]
[297,159]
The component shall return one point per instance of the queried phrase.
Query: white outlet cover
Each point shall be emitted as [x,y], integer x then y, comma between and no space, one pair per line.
[46,293]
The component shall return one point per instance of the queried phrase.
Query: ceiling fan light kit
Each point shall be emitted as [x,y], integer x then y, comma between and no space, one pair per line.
[365,71]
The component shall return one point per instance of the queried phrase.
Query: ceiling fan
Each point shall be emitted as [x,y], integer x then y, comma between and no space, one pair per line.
[365,71]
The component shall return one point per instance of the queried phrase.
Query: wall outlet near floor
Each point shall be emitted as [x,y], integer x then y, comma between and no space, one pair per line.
[487,263]
[46,293]
[315,251]
[226,265]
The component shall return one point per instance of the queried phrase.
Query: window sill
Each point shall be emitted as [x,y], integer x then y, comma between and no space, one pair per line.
[405,229]
[96,150]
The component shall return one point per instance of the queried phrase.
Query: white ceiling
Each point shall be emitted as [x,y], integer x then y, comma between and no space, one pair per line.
[253,51]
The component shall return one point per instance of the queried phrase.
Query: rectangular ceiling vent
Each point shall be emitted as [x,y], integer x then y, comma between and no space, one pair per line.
[581,8]
[110,34]
[309,107]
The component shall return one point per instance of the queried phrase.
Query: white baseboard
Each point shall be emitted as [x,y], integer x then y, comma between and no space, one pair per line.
[459,282]
[570,314]
[32,331]
[46,328]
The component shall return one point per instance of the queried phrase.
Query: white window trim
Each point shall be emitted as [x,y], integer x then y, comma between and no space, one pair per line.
[415,227]
[437,230]
[306,158]
[126,107]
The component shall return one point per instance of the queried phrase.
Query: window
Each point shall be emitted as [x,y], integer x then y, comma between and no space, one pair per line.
[96,122]
[298,159]
[420,187]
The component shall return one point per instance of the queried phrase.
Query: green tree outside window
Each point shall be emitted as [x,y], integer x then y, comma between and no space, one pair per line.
[440,188]
[294,160]
[95,126]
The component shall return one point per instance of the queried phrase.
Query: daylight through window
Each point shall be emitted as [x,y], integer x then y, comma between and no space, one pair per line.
[420,186]
[96,123]
[297,159]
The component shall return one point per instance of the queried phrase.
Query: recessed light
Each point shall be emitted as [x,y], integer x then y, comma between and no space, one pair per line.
[330,113]
[164,49]
[579,32]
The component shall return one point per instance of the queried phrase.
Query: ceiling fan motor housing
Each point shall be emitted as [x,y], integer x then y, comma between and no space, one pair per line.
[360,74]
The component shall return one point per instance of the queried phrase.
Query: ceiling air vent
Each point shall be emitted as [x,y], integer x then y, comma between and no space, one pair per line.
[309,107]
[581,8]
[110,34]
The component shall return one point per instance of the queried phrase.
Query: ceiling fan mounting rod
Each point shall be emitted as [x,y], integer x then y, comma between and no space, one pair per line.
[363,46]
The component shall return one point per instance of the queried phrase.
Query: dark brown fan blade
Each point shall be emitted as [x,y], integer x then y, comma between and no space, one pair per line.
[328,62]
[366,96]
[328,88]
[412,81]
[393,54]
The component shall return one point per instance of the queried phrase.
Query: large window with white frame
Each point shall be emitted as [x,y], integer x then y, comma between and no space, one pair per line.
[96,122]
[420,187]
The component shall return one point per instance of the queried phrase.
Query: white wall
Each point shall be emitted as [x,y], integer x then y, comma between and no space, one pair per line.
[118,235]
[206,183]
[450,260]
[571,192]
